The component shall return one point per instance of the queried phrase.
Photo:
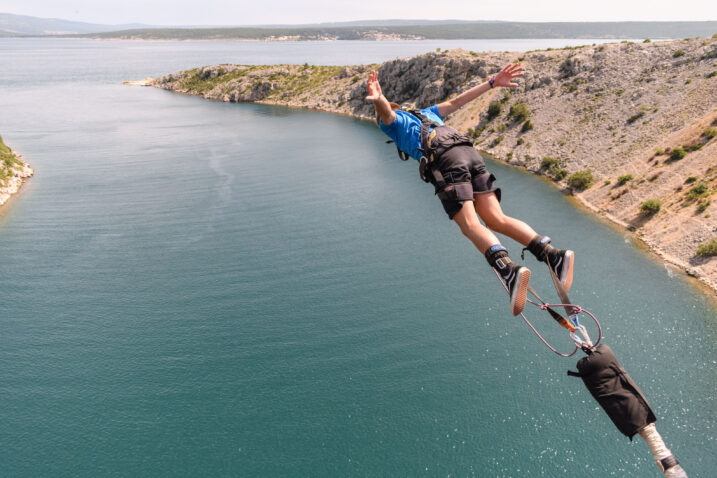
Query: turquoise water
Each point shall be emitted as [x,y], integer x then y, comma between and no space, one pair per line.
[193,288]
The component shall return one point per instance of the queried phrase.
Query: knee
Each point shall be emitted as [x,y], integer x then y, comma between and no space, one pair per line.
[469,226]
[496,222]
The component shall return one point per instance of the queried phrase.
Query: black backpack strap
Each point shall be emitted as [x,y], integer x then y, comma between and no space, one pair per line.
[426,126]
[401,154]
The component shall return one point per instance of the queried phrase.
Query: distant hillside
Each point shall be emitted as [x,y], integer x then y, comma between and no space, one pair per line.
[20,25]
[15,25]
[432,31]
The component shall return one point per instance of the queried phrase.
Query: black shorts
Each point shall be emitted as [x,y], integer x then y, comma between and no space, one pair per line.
[464,174]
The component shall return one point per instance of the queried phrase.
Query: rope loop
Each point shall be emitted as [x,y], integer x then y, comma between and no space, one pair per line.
[578,343]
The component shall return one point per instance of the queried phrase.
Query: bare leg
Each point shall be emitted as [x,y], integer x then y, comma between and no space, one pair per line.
[472,228]
[488,208]
[515,277]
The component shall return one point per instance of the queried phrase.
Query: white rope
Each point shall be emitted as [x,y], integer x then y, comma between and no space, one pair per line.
[654,442]
[659,450]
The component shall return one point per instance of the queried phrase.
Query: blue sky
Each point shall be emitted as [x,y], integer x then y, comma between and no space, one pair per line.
[243,12]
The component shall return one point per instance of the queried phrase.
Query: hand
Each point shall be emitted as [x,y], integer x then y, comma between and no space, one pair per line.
[374,88]
[507,74]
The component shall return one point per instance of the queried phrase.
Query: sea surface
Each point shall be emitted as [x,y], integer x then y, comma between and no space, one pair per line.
[194,288]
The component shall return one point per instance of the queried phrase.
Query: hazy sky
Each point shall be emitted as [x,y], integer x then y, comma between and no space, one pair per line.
[244,12]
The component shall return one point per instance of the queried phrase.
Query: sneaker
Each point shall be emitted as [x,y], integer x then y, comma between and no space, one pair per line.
[561,262]
[517,282]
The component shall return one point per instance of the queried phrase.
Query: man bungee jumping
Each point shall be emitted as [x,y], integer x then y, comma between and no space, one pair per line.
[448,160]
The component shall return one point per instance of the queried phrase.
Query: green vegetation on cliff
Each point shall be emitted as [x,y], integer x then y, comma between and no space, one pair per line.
[8,162]
[285,81]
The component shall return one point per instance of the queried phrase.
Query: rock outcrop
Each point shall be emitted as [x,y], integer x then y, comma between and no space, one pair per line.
[13,172]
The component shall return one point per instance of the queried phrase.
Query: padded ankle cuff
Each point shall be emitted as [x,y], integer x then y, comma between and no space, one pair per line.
[539,247]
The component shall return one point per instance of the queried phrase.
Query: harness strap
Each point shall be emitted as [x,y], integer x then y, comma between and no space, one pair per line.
[402,155]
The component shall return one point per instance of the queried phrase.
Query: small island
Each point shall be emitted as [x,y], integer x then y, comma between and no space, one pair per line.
[13,172]
[628,129]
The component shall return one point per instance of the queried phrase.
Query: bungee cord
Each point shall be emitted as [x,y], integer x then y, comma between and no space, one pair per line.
[604,377]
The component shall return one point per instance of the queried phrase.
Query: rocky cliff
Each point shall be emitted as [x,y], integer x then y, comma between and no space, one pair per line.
[13,172]
[630,129]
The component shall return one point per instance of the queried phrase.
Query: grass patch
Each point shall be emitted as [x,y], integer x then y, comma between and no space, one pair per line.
[698,191]
[635,117]
[623,179]
[678,153]
[708,249]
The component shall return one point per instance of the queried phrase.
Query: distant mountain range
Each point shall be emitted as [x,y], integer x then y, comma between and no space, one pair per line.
[22,25]
[19,25]
[16,25]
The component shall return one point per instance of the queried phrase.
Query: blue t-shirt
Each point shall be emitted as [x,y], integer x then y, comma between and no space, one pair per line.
[405,131]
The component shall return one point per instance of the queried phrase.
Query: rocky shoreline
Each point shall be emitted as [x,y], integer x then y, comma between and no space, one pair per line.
[13,173]
[630,129]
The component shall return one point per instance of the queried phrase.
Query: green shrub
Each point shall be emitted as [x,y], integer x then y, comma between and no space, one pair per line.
[581,180]
[559,174]
[678,153]
[635,117]
[708,249]
[659,152]
[698,191]
[493,110]
[710,133]
[623,179]
[703,205]
[474,133]
[519,142]
[527,126]
[497,140]
[651,206]
[712,75]
[646,40]
[691,179]
[519,113]
[677,53]
[549,162]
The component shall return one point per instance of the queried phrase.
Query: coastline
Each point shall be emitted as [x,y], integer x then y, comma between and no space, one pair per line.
[18,172]
[615,110]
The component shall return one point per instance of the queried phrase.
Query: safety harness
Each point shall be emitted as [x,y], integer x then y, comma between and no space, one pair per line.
[436,139]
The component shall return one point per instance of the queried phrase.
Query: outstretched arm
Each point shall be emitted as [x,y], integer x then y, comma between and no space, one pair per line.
[383,107]
[503,78]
